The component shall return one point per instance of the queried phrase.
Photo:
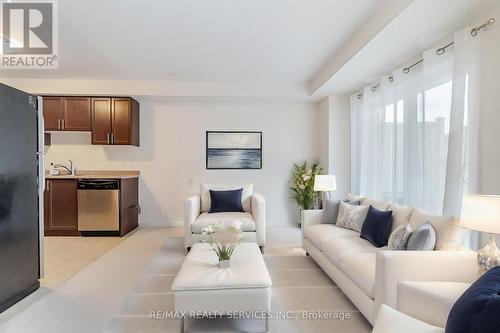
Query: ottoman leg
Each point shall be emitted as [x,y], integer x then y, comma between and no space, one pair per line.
[261,249]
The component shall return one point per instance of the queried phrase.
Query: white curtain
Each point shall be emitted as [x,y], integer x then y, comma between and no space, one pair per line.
[414,134]
[463,148]
[400,134]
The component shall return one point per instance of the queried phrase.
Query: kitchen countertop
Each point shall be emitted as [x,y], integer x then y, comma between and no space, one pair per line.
[97,174]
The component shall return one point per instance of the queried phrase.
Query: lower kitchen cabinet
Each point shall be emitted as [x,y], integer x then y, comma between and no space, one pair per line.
[129,205]
[61,208]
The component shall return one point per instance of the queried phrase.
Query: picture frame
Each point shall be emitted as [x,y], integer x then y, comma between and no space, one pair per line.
[236,150]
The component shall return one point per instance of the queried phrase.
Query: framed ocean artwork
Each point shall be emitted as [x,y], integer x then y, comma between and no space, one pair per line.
[234,150]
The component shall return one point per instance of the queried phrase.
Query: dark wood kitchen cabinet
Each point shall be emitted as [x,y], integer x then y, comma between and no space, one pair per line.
[111,120]
[66,113]
[61,207]
[101,121]
[115,121]
[76,112]
[52,112]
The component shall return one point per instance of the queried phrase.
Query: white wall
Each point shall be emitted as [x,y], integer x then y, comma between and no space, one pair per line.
[334,141]
[490,106]
[172,153]
[340,158]
[324,134]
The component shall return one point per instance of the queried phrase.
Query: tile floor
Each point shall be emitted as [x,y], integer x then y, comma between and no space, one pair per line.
[117,291]
[63,258]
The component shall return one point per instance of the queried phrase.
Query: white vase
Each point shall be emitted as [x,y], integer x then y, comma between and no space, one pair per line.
[224,263]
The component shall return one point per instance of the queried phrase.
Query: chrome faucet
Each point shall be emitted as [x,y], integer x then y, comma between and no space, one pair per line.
[71,168]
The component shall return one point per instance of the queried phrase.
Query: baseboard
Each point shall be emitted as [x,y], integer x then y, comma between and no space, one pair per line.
[181,223]
[164,224]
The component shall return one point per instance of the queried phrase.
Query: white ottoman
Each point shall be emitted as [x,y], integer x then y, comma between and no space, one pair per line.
[202,288]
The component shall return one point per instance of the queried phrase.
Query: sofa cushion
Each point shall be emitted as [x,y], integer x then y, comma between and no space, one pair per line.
[478,309]
[380,205]
[422,239]
[337,248]
[377,226]
[330,211]
[429,301]
[225,201]
[447,230]
[352,198]
[245,195]
[318,233]
[400,215]
[392,321]
[205,219]
[360,268]
[351,216]
[398,240]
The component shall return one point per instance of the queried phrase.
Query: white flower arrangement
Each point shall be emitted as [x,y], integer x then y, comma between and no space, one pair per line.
[223,239]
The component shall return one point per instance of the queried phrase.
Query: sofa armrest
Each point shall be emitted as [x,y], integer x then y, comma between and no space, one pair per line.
[393,267]
[259,214]
[429,301]
[192,207]
[391,321]
[310,217]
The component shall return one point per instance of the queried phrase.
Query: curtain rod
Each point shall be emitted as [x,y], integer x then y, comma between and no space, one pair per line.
[439,51]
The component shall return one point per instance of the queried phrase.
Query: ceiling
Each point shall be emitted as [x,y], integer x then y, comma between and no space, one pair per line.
[198,40]
[418,27]
[300,50]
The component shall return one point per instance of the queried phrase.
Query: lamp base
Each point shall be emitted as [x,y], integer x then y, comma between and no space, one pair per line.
[489,256]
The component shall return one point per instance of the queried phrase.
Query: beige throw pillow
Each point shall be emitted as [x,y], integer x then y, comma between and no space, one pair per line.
[351,216]
[399,238]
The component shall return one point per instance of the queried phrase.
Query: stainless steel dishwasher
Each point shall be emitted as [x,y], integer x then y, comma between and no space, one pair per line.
[98,205]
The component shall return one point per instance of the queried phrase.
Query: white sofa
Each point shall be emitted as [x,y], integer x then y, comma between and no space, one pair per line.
[423,307]
[253,219]
[369,276]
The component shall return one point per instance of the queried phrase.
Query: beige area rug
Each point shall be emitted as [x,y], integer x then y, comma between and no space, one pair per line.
[299,287]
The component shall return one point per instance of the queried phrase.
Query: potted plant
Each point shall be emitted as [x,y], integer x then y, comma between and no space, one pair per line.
[302,185]
[223,240]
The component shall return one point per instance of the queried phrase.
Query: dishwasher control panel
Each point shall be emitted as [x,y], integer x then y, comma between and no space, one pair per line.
[98,184]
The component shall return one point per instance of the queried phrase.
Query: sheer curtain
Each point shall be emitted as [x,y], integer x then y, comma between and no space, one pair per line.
[463,149]
[400,133]
[414,134]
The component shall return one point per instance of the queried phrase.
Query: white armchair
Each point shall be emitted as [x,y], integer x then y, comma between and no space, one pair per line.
[253,219]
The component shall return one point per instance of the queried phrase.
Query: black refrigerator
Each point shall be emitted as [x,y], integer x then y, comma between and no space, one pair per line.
[21,193]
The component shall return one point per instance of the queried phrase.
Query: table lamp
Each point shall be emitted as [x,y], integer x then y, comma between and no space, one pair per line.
[325,183]
[482,213]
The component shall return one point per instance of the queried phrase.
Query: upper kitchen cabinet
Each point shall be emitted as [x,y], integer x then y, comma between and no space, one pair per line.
[101,121]
[115,121]
[66,113]
[76,113]
[52,113]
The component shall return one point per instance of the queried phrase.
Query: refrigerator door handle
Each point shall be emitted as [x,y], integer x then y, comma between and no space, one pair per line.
[41,185]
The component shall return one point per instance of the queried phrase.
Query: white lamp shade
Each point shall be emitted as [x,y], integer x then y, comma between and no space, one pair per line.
[325,183]
[481,213]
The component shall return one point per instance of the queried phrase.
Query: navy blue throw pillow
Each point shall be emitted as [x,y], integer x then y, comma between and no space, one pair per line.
[225,201]
[377,226]
[478,309]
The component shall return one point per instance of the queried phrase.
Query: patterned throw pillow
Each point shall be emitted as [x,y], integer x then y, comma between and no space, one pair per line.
[399,238]
[351,216]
